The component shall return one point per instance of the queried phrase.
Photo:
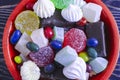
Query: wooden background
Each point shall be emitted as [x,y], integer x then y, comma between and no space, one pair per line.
[7,6]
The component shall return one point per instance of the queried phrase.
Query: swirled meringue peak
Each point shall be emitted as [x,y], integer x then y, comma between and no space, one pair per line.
[76,70]
[72,13]
[44,8]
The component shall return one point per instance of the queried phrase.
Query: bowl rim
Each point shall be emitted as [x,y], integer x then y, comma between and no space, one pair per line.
[8,26]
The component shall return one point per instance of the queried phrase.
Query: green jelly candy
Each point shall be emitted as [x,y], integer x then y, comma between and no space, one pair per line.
[60,4]
[32,46]
[84,56]
[18,59]
[92,52]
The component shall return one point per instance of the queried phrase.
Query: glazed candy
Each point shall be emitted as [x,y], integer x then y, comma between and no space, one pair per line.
[92,52]
[39,38]
[27,21]
[58,33]
[96,30]
[32,46]
[66,56]
[92,42]
[48,32]
[76,70]
[92,12]
[43,57]
[84,56]
[15,36]
[98,64]
[72,13]
[56,45]
[61,4]
[18,59]
[44,8]
[75,38]
[21,44]
[30,71]
[49,68]
[82,22]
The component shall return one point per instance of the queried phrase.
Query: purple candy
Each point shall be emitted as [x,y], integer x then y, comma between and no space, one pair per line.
[43,57]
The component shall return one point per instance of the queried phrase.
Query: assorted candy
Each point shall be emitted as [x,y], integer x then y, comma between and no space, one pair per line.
[60,35]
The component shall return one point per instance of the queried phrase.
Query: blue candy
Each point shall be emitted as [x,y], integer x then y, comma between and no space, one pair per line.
[49,68]
[15,36]
[92,42]
[55,44]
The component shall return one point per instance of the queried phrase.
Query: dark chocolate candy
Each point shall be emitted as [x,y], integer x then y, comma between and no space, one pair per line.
[56,20]
[96,30]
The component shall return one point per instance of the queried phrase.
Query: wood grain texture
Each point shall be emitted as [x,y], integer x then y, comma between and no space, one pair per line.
[7,6]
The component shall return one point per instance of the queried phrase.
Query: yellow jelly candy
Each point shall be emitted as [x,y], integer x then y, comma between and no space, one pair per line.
[27,21]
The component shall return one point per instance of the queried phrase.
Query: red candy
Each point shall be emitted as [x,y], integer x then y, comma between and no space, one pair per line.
[48,32]
[82,22]
[75,38]
[43,57]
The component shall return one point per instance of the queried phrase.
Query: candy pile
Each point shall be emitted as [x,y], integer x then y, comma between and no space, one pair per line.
[68,33]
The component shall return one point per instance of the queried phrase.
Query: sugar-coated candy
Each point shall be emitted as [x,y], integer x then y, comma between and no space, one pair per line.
[56,45]
[84,56]
[27,21]
[92,52]
[30,71]
[18,59]
[72,13]
[48,32]
[15,36]
[21,44]
[32,46]
[58,33]
[82,22]
[44,8]
[43,57]
[96,30]
[75,38]
[76,70]
[66,56]
[39,38]
[92,12]
[61,4]
[49,68]
[98,64]
[92,42]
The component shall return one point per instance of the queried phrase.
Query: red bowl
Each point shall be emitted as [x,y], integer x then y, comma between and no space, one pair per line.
[112,35]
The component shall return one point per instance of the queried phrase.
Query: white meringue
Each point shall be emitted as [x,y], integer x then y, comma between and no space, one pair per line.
[80,3]
[30,71]
[76,70]
[72,13]
[44,8]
